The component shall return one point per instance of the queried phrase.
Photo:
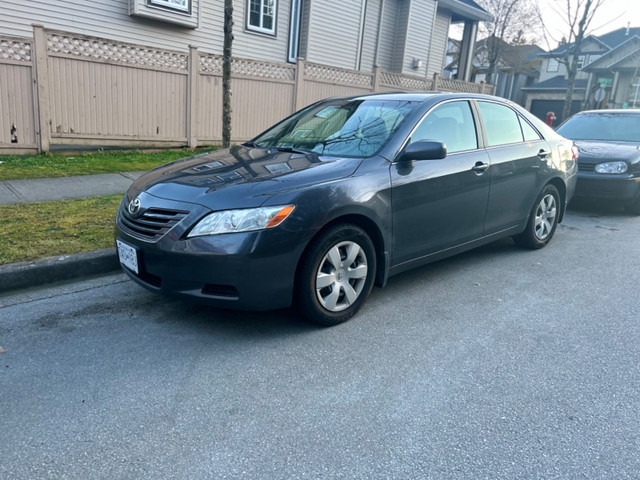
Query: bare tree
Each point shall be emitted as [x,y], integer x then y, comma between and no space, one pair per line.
[226,73]
[578,16]
[514,22]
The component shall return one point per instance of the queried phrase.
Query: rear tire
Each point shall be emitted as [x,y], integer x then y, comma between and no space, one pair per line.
[336,275]
[543,220]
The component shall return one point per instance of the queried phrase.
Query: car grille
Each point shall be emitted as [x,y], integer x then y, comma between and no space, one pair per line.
[152,224]
[585,167]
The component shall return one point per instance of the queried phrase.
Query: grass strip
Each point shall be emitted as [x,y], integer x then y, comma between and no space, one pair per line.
[29,231]
[16,167]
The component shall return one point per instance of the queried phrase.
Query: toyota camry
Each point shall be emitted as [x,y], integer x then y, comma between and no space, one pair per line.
[342,195]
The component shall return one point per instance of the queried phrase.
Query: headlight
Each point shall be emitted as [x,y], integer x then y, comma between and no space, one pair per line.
[232,221]
[611,167]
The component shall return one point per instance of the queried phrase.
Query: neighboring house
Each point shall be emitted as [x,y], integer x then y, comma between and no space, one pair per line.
[608,69]
[518,67]
[340,41]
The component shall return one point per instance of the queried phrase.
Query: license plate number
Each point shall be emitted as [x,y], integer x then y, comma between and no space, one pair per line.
[127,255]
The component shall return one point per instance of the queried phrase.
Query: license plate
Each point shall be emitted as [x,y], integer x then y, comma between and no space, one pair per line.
[127,255]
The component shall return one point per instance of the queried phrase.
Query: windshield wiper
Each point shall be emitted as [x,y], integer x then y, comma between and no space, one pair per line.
[251,145]
[290,150]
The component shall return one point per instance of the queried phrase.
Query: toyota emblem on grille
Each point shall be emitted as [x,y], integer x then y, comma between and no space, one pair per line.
[134,206]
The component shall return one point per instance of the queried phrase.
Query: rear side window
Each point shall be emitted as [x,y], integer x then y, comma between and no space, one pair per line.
[530,135]
[452,124]
[501,123]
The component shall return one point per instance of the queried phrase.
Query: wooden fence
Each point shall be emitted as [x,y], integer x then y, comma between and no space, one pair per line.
[60,88]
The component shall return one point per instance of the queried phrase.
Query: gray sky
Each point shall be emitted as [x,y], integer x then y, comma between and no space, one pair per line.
[613,14]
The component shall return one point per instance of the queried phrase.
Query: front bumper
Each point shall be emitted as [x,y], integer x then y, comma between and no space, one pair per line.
[248,271]
[622,188]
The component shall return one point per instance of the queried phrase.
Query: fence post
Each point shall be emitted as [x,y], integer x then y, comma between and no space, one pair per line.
[376,78]
[435,81]
[299,89]
[192,104]
[482,86]
[41,76]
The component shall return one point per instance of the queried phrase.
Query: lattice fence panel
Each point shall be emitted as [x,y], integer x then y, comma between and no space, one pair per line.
[15,50]
[108,51]
[210,64]
[254,68]
[452,85]
[404,82]
[324,73]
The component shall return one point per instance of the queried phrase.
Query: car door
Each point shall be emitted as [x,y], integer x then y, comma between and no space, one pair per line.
[438,204]
[518,156]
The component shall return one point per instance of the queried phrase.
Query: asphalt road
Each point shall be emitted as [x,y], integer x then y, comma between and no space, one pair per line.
[500,363]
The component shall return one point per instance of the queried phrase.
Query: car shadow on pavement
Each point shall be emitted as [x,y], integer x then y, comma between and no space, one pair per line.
[597,208]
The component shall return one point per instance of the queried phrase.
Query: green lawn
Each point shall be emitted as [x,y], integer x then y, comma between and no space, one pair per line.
[13,167]
[29,231]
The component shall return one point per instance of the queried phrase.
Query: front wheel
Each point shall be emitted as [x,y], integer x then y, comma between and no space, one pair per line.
[336,275]
[543,220]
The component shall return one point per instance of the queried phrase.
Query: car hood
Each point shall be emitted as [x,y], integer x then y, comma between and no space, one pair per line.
[592,151]
[240,177]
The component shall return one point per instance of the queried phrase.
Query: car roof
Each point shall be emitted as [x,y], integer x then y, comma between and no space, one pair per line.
[634,111]
[421,96]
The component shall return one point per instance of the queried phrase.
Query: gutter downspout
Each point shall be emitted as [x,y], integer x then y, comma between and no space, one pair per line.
[380,19]
[446,42]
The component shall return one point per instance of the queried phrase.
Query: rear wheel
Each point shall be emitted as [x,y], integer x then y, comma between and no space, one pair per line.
[543,220]
[336,275]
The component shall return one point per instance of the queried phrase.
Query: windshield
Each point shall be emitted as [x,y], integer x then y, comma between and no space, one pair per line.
[622,127]
[345,128]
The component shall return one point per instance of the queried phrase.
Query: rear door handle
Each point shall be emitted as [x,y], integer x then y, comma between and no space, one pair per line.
[543,154]
[480,167]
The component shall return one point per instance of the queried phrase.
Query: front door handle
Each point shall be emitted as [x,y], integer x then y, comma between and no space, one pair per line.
[479,168]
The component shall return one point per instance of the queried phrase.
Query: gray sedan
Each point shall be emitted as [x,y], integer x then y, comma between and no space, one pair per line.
[342,195]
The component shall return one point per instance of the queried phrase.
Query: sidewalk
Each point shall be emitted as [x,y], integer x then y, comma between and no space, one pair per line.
[64,188]
[16,276]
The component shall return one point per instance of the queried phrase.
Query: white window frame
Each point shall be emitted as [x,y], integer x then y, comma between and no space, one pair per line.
[581,62]
[260,28]
[555,63]
[177,6]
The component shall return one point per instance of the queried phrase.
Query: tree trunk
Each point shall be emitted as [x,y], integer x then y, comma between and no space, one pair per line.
[226,73]
[571,82]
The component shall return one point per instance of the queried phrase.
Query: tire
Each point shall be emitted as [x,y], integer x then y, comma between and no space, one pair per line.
[336,275]
[543,220]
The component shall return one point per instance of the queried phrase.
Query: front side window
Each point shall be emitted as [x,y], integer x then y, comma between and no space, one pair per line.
[344,128]
[501,123]
[261,16]
[452,124]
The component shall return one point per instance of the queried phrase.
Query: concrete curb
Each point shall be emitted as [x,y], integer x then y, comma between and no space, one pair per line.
[15,276]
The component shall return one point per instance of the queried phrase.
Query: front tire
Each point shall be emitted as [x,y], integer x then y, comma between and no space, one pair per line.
[543,220]
[336,275]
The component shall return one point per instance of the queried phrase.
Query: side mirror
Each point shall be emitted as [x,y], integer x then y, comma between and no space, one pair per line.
[424,150]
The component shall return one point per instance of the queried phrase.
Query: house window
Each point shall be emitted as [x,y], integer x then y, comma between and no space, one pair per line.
[593,58]
[261,16]
[553,65]
[580,63]
[183,6]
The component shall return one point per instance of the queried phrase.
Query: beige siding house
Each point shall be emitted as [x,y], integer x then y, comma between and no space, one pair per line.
[148,72]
